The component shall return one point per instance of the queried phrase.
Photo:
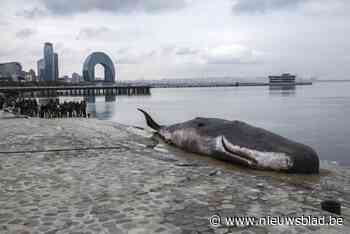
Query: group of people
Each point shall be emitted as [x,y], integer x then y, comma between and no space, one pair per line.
[7,103]
[27,107]
[52,109]
[2,101]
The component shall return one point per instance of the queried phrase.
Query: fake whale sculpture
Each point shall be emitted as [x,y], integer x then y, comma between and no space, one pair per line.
[239,143]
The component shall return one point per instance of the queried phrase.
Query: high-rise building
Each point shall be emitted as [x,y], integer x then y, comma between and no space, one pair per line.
[76,78]
[30,75]
[49,62]
[41,69]
[56,65]
[48,66]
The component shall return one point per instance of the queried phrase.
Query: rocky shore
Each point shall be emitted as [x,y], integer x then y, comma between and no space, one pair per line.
[91,176]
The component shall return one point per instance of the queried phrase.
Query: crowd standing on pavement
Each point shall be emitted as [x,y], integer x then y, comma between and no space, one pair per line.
[52,109]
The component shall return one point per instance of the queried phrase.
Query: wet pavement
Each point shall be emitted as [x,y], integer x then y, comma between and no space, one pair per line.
[91,176]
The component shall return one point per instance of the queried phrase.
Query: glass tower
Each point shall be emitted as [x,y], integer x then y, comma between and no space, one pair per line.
[41,69]
[56,65]
[49,62]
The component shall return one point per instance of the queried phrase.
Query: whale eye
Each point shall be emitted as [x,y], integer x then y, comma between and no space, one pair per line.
[200,124]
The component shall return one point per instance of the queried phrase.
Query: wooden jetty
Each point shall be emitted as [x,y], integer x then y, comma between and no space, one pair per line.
[76,90]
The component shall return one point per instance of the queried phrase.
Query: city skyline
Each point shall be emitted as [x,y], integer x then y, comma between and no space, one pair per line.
[187,38]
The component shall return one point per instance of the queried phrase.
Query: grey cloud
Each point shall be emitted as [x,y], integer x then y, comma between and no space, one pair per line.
[222,54]
[88,33]
[232,60]
[132,56]
[262,6]
[4,23]
[231,54]
[67,7]
[109,34]
[32,13]
[167,50]
[178,50]
[25,33]
[4,52]
[186,51]
[128,60]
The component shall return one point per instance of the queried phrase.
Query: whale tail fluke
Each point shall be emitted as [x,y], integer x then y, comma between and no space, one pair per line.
[150,122]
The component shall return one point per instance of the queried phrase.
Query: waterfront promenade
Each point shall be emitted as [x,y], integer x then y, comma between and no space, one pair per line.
[92,176]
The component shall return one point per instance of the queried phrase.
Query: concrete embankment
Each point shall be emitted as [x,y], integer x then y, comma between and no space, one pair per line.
[91,176]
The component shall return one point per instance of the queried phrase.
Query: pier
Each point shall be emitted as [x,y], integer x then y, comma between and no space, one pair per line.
[76,90]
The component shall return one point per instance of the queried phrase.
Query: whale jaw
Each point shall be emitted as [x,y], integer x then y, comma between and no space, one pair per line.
[277,161]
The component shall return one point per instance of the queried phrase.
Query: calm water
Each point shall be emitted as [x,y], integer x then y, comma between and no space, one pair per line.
[316,115]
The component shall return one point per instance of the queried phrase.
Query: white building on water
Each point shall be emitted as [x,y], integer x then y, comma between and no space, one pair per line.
[284,79]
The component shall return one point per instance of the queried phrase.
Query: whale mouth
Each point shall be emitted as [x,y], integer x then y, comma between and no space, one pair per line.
[235,152]
[257,159]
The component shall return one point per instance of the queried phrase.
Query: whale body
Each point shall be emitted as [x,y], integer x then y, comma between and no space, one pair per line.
[239,143]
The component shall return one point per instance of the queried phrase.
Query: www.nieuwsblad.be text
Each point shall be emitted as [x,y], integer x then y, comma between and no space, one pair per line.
[230,221]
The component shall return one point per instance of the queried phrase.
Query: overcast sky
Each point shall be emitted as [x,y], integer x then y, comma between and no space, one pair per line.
[154,39]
